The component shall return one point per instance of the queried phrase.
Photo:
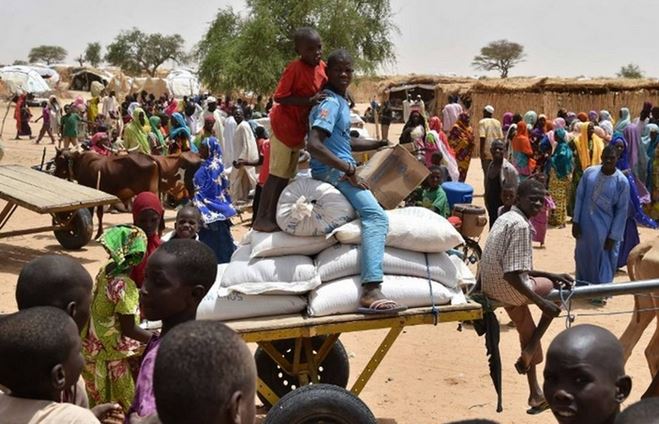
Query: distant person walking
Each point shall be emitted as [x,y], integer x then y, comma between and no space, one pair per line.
[489,129]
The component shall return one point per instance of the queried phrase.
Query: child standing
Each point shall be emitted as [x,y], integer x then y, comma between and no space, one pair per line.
[541,220]
[69,127]
[298,90]
[179,274]
[434,197]
[148,215]
[188,221]
[113,334]
[263,144]
[508,194]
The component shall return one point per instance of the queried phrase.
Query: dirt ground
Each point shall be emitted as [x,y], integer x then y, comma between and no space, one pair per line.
[430,375]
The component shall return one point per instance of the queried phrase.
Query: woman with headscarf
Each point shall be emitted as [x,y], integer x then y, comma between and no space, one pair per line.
[561,166]
[461,140]
[587,149]
[414,131]
[537,132]
[149,216]
[530,118]
[135,136]
[510,134]
[156,138]
[625,119]
[634,211]
[593,116]
[652,181]
[179,133]
[100,143]
[523,160]
[636,152]
[606,122]
[436,141]
[570,118]
[212,199]
[582,117]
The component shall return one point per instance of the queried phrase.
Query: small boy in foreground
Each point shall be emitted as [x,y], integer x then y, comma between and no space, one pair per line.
[41,357]
[434,197]
[585,380]
[204,373]
[298,90]
[178,276]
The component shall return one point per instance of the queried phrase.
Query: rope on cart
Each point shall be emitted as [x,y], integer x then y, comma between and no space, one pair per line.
[566,300]
[434,310]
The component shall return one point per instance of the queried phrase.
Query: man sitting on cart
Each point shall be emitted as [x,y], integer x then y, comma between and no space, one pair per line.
[507,276]
[331,161]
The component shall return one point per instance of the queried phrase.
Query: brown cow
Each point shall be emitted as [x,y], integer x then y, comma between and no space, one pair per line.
[643,264]
[169,167]
[125,176]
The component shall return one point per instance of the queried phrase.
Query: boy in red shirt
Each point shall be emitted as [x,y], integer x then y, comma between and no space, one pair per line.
[298,90]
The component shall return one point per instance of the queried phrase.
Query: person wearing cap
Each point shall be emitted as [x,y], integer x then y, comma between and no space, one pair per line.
[489,129]
[212,111]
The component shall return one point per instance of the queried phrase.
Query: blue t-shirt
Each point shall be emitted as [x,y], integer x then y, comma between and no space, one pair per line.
[333,116]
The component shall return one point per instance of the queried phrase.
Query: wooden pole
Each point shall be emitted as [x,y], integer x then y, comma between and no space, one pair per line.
[377,124]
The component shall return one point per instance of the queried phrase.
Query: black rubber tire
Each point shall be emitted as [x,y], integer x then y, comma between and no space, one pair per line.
[320,403]
[333,370]
[80,230]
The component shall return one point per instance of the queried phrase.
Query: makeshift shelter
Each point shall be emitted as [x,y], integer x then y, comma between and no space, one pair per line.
[182,82]
[156,86]
[49,75]
[120,84]
[81,80]
[23,79]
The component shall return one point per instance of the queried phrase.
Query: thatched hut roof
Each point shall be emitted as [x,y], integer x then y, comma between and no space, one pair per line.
[388,84]
[563,85]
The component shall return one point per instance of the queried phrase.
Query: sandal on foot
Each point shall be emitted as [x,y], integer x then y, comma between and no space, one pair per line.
[382,306]
[538,409]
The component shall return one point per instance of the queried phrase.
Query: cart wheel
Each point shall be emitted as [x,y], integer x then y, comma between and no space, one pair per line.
[79,232]
[320,403]
[334,369]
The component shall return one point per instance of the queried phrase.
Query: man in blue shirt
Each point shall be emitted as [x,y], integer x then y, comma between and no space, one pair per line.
[331,149]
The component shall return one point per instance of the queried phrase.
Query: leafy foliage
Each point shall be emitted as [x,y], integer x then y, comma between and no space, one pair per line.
[630,71]
[500,55]
[134,51]
[48,54]
[20,62]
[93,53]
[250,52]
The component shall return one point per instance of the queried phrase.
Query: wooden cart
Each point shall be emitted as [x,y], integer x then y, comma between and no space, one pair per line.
[65,201]
[295,351]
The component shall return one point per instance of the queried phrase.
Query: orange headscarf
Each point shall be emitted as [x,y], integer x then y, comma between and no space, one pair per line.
[521,143]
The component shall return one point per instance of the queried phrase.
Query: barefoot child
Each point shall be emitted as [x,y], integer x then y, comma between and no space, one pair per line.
[204,373]
[507,275]
[40,351]
[46,126]
[188,221]
[298,90]
[585,380]
[178,276]
[113,334]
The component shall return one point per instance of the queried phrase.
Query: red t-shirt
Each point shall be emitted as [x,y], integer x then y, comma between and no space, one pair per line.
[264,147]
[291,123]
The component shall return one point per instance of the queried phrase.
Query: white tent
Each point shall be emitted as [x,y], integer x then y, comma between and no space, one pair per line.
[23,78]
[182,82]
[49,75]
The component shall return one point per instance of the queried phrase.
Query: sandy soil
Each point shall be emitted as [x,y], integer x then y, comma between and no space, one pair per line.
[430,375]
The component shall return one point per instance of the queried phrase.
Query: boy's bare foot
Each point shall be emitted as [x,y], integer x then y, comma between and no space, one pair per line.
[524,362]
[373,301]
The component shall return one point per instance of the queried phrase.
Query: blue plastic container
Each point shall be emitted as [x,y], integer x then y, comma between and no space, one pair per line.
[457,192]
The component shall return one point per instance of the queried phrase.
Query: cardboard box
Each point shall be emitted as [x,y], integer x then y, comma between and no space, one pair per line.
[392,174]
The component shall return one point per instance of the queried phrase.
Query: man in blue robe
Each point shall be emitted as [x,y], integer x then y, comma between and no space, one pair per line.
[600,213]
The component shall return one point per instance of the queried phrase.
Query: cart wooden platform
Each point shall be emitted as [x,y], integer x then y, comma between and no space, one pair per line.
[296,350]
[42,193]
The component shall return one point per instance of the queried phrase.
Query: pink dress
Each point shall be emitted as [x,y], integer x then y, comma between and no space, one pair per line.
[539,222]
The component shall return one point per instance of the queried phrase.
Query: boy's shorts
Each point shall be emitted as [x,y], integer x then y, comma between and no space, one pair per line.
[283,159]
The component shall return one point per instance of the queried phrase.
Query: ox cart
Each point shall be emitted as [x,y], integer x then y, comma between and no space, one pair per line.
[65,201]
[296,350]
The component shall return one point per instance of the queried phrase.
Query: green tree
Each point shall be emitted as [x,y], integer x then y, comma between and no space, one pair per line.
[134,51]
[630,71]
[500,55]
[93,53]
[20,62]
[250,52]
[48,54]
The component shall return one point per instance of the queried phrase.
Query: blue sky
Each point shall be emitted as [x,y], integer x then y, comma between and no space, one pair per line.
[562,38]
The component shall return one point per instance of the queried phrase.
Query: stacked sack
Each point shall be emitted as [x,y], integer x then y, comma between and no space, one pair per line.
[271,273]
[304,267]
[415,264]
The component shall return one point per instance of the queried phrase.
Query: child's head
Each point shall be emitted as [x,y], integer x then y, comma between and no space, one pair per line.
[530,197]
[308,45]
[188,220]
[57,281]
[148,213]
[437,158]
[260,132]
[44,104]
[585,379]
[339,70]
[178,276]
[508,195]
[204,372]
[41,353]
[645,411]
[436,177]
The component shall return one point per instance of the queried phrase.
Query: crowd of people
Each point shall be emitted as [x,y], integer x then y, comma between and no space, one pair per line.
[75,344]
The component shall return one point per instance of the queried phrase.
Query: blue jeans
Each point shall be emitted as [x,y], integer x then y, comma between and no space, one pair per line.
[374,224]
